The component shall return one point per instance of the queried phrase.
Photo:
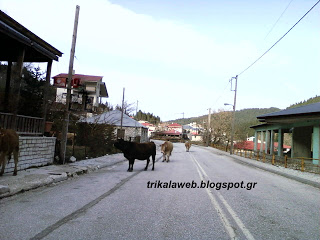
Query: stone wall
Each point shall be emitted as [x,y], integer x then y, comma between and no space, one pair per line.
[34,152]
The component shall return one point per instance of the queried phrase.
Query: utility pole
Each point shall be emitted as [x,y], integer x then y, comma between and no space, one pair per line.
[65,123]
[121,121]
[234,112]
[209,121]
[136,132]
[182,127]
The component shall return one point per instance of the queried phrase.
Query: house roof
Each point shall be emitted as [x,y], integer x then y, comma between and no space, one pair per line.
[170,132]
[83,78]
[146,124]
[14,36]
[113,118]
[297,111]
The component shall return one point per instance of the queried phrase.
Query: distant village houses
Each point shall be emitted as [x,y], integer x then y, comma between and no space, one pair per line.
[175,131]
[151,128]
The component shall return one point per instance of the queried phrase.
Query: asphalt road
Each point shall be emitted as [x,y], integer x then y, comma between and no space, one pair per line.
[167,203]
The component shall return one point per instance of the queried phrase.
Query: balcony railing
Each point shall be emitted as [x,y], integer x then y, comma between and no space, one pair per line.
[24,125]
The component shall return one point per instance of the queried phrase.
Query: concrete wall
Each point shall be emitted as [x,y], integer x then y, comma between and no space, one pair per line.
[34,152]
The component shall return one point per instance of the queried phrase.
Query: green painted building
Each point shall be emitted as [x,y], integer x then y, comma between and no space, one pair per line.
[303,124]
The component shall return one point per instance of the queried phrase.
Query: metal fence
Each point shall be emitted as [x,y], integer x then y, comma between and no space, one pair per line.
[300,163]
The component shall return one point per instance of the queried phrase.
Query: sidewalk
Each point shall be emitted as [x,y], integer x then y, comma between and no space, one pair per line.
[37,177]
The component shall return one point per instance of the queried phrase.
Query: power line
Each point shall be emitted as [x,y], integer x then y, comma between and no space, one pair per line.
[222,93]
[278,20]
[278,40]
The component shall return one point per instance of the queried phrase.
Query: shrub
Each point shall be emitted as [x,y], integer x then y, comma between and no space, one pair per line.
[98,138]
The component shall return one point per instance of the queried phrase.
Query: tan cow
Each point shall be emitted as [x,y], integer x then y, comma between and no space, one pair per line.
[188,145]
[70,136]
[166,150]
[9,143]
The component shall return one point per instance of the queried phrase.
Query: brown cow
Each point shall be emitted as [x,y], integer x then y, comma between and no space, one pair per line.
[188,145]
[166,149]
[9,143]
[70,136]
[140,151]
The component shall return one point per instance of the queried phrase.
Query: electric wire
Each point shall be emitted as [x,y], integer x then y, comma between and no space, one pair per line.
[278,40]
[222,93]
[278,20]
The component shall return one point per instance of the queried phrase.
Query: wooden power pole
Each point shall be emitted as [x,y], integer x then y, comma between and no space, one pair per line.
[209,122]
[122,109]
[233,113]
[65,123]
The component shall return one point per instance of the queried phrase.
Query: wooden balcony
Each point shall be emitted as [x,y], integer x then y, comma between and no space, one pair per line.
[24,125]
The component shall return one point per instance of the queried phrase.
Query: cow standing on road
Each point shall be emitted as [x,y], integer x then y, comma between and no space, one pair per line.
[9,143]
[166,150]
[188,146]
[140,151]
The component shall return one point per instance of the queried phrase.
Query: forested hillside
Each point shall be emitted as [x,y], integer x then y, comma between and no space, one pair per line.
[246,118]
[147,117]
[306,102]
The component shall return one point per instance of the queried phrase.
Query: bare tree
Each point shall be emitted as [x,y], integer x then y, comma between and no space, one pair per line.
[127,107]
[221,127]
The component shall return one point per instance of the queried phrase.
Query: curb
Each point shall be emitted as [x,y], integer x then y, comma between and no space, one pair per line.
[43,176]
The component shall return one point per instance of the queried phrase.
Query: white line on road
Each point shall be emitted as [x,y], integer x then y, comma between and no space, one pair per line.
[216,205]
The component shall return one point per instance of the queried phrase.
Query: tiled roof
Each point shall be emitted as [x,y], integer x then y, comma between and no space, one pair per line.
[83,78]
[171,132]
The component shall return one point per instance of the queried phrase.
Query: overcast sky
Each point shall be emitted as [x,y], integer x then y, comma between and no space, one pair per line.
[178,56]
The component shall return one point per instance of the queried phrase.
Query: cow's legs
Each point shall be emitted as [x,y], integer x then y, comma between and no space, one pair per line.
[15,156]
[2,162]
[153,161]
[131,162]
[148,160]
[163,157]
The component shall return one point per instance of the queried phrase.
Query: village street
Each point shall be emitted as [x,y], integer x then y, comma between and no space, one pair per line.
[172,202]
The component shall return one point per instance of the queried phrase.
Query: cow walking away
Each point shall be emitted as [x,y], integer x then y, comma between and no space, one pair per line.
[140,151]
[9,143]
[188,146]
[166,150]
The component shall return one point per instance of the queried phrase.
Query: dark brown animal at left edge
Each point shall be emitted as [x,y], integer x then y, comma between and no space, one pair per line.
[9,143]
[140,151]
